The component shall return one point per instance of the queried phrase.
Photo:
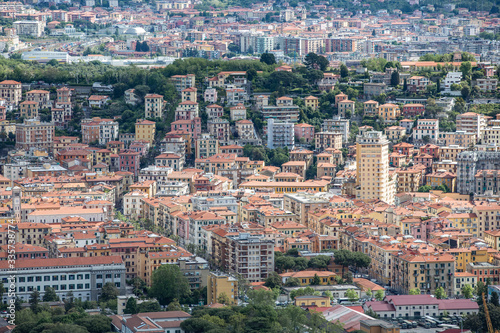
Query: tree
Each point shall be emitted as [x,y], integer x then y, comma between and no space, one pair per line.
[467,291]
[268,58]
[95,324]
[316,281]
[169,283]
[465,92]
[273,280]
[415,291]
[223,299]
[174,305]
[494,299]
[344,71]
[405,85]
[425,188]
[50,295]
[145,47]
[150,306]
[466,69]
[34,300]
[440,293]
[109,292]
[292,282]
[360,260]
[343,258]
[395,78]
[369,293]
[379,295]
[131,306]
[352,295]
[494,10]
[251,74]
[314,61]
[138,46]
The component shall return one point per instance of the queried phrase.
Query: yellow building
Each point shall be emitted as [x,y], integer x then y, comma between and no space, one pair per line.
[370,108]
[218,284]
[320,301]
[311,102]
[492,237]
[346,107]
[464,256]
[307,277]
[372,173]
[145,130]
[441,177]
[463,278]
[189,94]
[389,112]
[466,222]
[395,133]
[28,109]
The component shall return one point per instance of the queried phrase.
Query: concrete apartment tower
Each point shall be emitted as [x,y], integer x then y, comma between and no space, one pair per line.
[372,168]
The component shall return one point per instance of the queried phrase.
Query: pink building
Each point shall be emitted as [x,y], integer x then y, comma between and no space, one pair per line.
[305,131]
[129,161]
[413,110]
[192,126]
[423,159]
[430,149]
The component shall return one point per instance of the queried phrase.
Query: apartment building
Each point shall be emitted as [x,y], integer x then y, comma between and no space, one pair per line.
[324,140]
[238,112]
[389,112]
[311,102]
[33,133]
[11,91]
[413,110]
[145,130]
[346,107]
[182,82]
[486,84]
[340,45]
[491,135]
[370,108]
[206,146]
[29,28]
[83,276]
[470,163]
[426,128]
[305,131]
[423,269]
[220,283]
[28,110]
[471,122]
[280,134]
[214,111]
[250,256]
[153,106]
[372,163]
[219,128]
[41,97]
[458,138]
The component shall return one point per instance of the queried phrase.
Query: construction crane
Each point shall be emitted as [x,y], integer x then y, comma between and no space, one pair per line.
[488,319]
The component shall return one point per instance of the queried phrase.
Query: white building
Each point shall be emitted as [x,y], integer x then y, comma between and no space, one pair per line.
[83,276]
[426,128]
[280,134]
[132,203]
[108,131]
[210,95]
[29,28]
[337,124]
[452,78]
[55,215]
